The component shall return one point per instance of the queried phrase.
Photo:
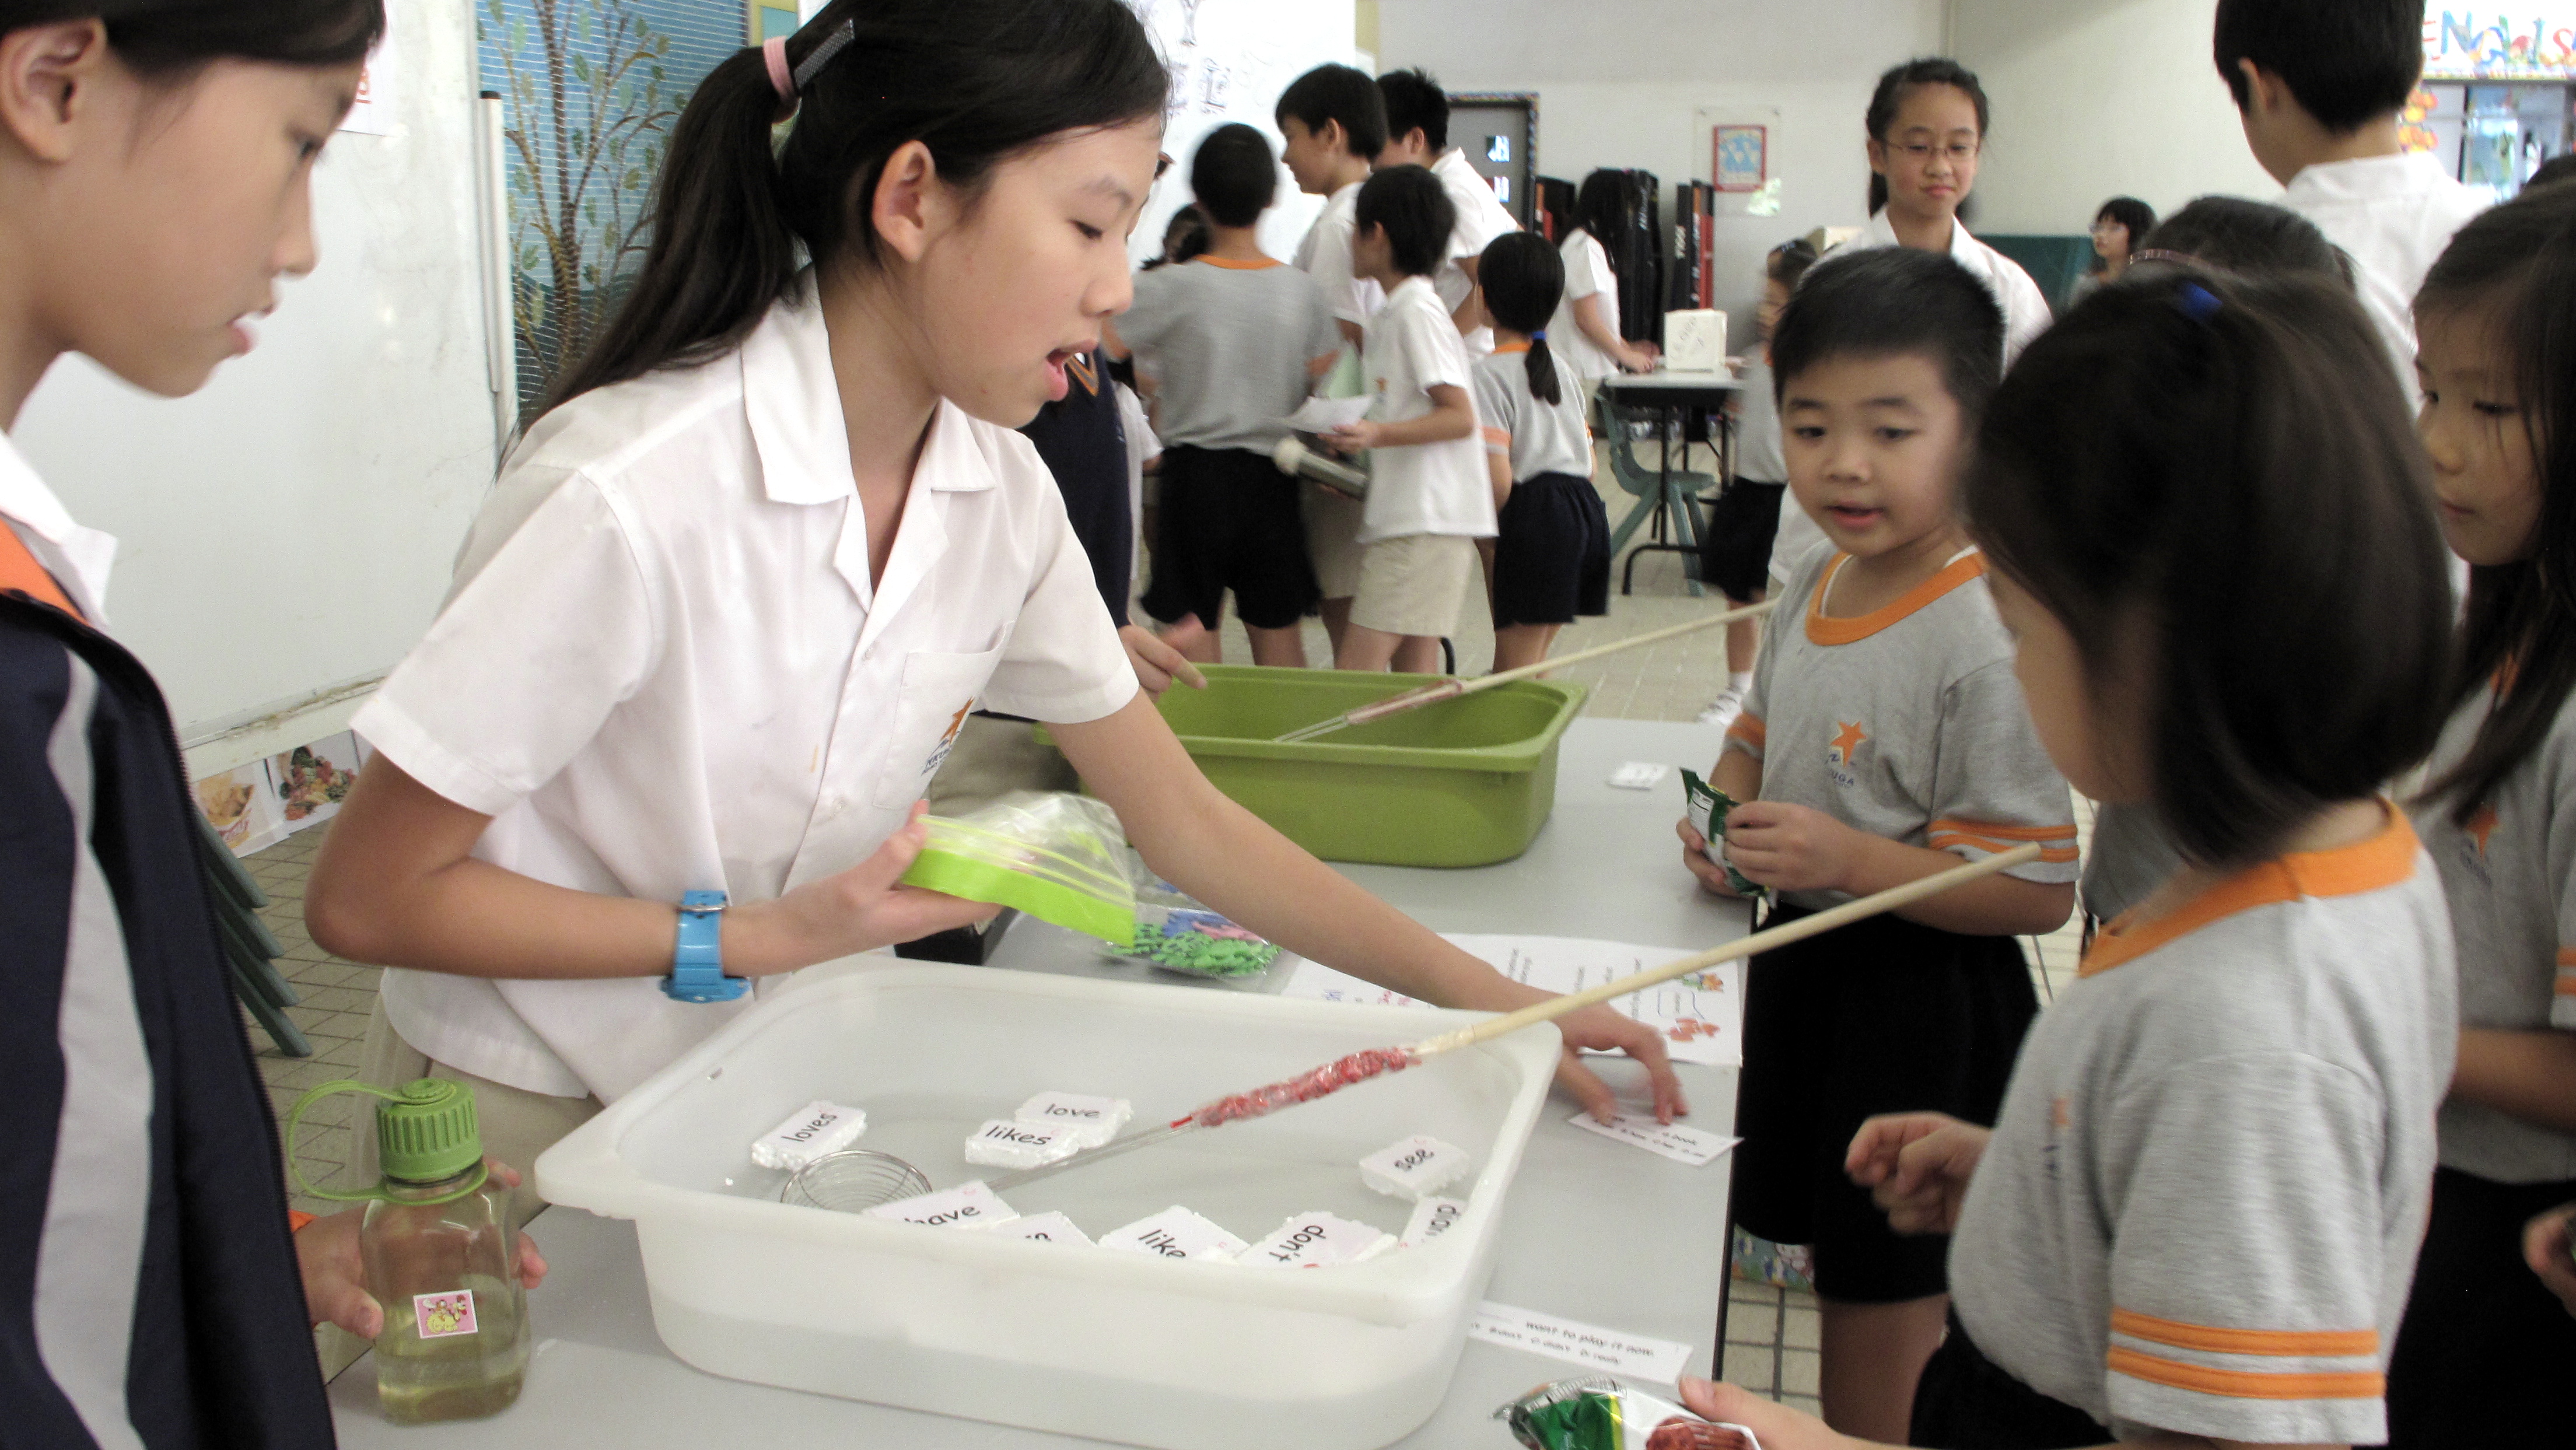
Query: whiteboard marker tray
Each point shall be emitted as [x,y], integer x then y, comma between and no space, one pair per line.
[1098,1342]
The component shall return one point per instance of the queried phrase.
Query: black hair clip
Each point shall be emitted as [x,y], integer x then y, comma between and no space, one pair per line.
[2197,302]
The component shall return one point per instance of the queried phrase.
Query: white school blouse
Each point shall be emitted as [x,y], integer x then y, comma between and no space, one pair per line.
[2393,215]
[663,668]
[1481,217]
[2025,307]
[79,558]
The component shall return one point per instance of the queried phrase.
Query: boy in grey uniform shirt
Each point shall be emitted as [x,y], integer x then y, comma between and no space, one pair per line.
[1240,339]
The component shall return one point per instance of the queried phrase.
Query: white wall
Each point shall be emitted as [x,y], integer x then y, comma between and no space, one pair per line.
[1635,83]
[2100,98]
[290,528]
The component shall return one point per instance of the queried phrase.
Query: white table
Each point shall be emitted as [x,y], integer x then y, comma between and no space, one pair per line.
[1593,1230]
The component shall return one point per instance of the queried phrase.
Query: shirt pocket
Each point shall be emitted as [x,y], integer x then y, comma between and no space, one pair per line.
[939,690]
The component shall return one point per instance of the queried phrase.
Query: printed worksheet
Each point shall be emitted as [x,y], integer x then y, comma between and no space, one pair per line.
[1700,1015]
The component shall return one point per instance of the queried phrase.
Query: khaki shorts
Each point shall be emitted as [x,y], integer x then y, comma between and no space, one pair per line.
[1415,585]
[1333,538]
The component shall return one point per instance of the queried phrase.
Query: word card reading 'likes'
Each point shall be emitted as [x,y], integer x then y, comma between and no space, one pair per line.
[1671,1140]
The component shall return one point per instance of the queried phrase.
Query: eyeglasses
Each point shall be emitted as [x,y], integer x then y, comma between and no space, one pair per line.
[1956,151]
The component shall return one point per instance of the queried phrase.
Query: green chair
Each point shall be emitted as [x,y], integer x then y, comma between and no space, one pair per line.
[1666,500]
[249,950]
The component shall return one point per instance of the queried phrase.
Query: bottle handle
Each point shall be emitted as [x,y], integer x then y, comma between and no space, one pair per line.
[295,1122]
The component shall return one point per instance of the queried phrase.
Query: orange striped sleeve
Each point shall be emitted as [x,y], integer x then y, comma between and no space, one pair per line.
[2245,1384]
[2567,971]
[2296,1343]
[1497,440]
[296,1219]
[2240,1384]
[1746,731]
[2056,843]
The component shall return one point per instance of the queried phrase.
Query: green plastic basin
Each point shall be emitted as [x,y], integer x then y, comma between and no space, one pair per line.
[1465,782]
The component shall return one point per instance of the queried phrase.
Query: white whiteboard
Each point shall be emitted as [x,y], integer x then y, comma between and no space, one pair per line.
[290,528]
[1229,60]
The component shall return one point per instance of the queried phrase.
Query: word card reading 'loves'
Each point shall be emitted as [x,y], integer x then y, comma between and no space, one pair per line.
[1657,1361]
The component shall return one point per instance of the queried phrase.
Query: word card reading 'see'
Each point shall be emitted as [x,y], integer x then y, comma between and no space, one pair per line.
[1682,1145]
[1658,1361]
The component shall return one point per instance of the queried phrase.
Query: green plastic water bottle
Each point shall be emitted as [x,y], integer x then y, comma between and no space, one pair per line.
[442,1257]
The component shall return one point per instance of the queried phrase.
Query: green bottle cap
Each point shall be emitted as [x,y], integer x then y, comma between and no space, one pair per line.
[429,1133]
[424,1134]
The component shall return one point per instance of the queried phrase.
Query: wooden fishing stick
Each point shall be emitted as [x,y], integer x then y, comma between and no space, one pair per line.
[1452,689]
[1359,1067]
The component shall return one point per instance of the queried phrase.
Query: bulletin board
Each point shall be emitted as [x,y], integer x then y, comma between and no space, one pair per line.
[1229,60]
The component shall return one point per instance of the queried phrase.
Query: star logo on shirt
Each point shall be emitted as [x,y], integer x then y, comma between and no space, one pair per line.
[1847,742]
[957,722]
[2482,825]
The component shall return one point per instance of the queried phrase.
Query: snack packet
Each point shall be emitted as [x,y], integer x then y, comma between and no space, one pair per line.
[1599,1413]
[1706,806]
[1059,857]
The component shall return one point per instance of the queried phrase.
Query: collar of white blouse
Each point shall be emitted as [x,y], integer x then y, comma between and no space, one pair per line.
[793,405]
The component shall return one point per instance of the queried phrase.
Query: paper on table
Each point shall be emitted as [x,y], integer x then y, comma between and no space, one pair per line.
[1323,415]
[1659,1361]
[1700,1015]
[1671,1140]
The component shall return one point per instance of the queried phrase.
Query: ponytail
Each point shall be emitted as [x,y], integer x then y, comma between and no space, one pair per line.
[975,81]
[1523,279]
[1904,81]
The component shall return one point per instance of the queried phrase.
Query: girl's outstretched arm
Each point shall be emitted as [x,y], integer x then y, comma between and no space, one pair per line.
[1227,857]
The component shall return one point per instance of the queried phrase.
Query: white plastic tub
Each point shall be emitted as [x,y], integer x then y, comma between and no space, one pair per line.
[1093,1342]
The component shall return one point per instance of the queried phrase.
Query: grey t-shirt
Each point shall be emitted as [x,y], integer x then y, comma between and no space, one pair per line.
[2200,1209]
[2510,874]
[1233,341]
[2129,858]
[1907,723]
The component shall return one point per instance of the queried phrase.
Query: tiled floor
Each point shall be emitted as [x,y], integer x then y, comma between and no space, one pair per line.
[1771,1335]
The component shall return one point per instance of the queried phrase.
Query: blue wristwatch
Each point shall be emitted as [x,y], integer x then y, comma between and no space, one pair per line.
[697,962]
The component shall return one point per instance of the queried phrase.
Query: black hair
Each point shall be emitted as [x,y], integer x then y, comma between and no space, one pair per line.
[1185,238]
[975,81]
[2515,266]
[1894,302]
[1902,82]
[2133,215]
[1337,93]
[1415,102]
[166,40]
[1788,263]
[1523,279]
[1415,209]
[2552,171]
[1234,176]
[1606,206]
[2348,62]
[2214,479]
[2251,238]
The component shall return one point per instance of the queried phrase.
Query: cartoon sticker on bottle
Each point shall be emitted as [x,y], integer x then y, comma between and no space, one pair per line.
[444,1316]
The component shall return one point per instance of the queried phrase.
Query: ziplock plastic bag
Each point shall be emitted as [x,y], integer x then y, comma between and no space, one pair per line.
[1059,857]
[1180,934]
[1599,1413]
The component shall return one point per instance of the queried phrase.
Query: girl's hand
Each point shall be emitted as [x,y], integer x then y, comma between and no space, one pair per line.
[1777,1426]
[1788,847]
[1603,1030]
[1156,662]
[859,910]
[1712,877]
[1353,438]
[2545,1246]
[335,1273]
[1916,1167]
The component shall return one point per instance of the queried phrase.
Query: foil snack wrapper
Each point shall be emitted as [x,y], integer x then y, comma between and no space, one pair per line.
[1707,806]
[1599,1413]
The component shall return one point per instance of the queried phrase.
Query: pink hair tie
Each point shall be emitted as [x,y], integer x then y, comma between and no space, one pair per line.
[774,51]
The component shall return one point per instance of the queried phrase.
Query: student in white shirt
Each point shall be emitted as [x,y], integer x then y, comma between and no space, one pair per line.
[1333,121]
[1927,130]
[737,589]
[1417,134]
[1585,329]
[1429,499]
[2319,89]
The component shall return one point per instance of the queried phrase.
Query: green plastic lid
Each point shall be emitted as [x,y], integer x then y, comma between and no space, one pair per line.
[429,1133]
[425,1133]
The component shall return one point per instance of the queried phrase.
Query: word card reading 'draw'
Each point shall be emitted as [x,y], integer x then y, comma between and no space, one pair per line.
[1682,1145]
[1659,1361]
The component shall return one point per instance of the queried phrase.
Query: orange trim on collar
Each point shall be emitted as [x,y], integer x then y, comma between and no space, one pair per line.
[1829,631]
[21,573]
[1237,264]
[2383,860]
[1502,348]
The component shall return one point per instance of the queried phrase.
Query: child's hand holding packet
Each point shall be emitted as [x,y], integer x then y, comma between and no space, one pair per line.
[1706,807]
